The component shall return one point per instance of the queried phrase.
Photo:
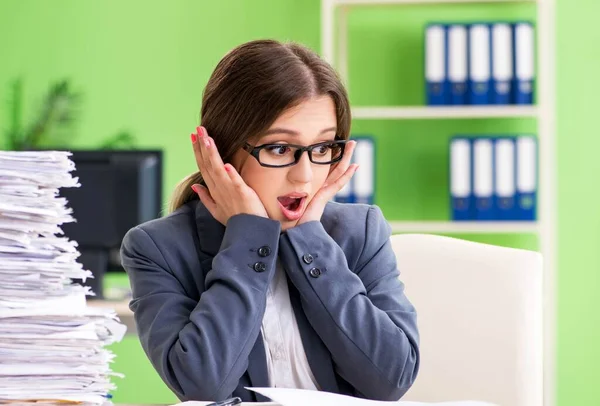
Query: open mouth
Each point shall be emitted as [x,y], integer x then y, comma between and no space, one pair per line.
[292,206]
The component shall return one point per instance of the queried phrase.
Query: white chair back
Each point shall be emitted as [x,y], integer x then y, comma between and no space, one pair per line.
[479,310]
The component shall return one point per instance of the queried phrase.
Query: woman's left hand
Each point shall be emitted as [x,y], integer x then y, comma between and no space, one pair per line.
[338,177]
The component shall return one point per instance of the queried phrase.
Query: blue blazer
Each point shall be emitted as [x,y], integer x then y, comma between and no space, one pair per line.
[199,293]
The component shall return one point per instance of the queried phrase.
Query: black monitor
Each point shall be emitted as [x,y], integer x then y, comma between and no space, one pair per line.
[119,190]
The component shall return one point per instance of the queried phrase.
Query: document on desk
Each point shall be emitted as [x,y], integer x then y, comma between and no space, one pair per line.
[301,397]
[199,403]
[51,343]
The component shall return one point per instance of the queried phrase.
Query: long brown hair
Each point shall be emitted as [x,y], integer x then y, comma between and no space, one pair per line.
[251,87]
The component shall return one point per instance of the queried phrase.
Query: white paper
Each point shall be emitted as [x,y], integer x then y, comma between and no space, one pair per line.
[198,403]
[52,345]
[302,397]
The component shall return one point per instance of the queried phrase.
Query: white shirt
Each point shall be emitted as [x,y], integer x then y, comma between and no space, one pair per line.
[286,360]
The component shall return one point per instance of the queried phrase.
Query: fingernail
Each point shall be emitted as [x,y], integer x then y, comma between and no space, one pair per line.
[227,168]
[195,188]
[194,138]
[199,131]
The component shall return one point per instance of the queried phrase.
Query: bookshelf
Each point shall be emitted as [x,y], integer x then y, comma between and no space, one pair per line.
[334,48]
[396,2]
[445,112]
[463,227]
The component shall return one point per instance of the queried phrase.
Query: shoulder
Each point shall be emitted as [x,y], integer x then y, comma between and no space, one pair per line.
[167,234]
[180,222]
[353,217]
[355,225]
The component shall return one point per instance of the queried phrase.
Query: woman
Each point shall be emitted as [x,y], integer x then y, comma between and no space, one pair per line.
[256,279]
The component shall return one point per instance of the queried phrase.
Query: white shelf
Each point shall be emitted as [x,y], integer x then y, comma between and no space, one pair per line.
[335,50]
[443,112]
[483,227]
[400,2]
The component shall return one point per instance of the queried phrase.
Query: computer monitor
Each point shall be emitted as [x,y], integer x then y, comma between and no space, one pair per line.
[119,190]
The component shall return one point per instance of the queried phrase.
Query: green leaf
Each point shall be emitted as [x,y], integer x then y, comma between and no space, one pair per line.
[120,140]
[57,113]
[53,126]
[15,109]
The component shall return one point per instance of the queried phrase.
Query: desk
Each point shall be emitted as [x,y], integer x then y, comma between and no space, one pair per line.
[199,403]
[122,309]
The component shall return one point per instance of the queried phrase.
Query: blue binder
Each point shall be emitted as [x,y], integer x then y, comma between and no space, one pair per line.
[461,185]
[483,178]
[479,64]
[502,63]
[436,61]
[364,178]
[505,178]
[458,72]
[527,178]
[524,62]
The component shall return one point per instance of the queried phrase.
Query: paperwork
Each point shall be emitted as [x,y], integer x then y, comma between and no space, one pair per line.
[51,343]
[302,397]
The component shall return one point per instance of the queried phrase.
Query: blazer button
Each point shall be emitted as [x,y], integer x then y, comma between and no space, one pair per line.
[264,251]
[260,267]
[315,272]
[307,258]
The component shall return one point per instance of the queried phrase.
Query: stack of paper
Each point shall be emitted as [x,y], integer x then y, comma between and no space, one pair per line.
[51,344]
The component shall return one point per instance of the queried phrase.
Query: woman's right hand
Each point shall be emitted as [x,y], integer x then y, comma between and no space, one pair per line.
[227,193]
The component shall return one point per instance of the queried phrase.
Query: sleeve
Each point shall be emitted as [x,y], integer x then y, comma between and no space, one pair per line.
[201,348]
[363,317]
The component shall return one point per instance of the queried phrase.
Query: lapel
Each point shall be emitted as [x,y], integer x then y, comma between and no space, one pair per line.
[210,232]
[319,357]
[257,368]
[210,235]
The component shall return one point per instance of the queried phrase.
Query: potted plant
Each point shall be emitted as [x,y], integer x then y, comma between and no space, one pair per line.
[52,127]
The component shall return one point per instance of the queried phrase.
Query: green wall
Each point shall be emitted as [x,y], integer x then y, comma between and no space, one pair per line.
[142,67]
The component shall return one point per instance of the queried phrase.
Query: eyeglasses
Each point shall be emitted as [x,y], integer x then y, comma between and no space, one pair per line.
[282,155]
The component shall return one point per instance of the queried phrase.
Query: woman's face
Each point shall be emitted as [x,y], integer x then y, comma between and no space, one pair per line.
[286,192]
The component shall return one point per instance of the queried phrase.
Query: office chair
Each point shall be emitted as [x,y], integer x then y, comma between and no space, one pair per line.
[479,310]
